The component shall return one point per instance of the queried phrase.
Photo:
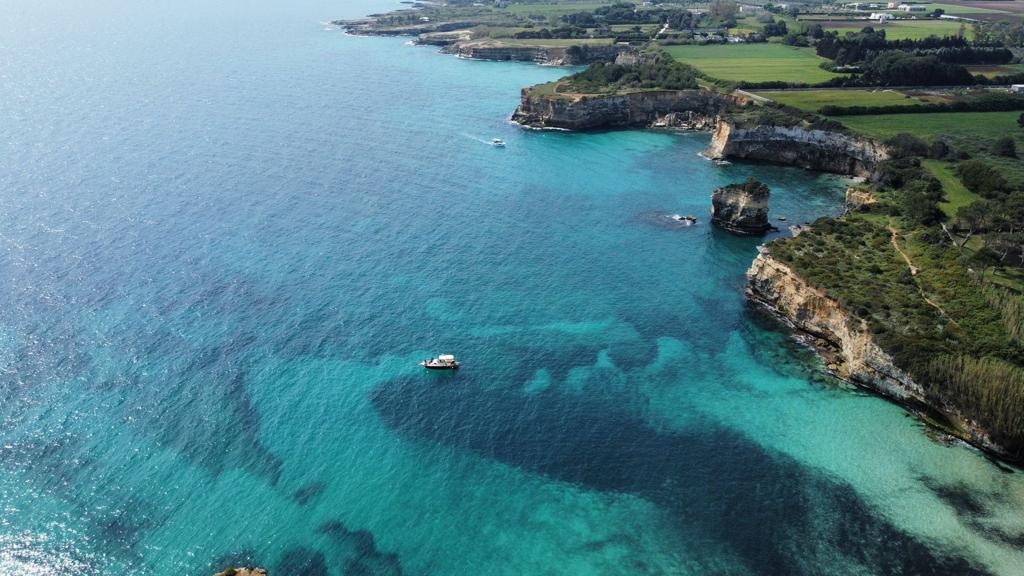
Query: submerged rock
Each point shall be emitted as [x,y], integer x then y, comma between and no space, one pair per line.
[242,572]
[741,208]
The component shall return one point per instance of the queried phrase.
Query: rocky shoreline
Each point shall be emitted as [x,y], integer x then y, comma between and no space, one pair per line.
[845,344]
[700,109]
[457,38]
[843,341]
[690,109]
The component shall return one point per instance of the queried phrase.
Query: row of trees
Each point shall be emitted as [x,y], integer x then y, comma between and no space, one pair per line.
[676,18]
[858,46]
[548,33]
[905,69]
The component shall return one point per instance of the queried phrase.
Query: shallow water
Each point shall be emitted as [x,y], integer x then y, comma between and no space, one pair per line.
[228,233]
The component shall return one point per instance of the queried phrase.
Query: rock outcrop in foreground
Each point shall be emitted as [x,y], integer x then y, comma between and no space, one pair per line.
[741,208]
[821,150]
[846,344]
[693,109]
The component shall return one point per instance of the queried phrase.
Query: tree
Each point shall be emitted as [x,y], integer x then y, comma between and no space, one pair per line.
[795,40]
[918,202]
[724,9]
[938,150]
[982,178]
[905,145]
[1020,120]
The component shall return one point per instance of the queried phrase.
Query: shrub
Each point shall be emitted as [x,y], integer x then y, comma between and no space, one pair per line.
[905,145]
[939,150]
[981,178]
[1005,146]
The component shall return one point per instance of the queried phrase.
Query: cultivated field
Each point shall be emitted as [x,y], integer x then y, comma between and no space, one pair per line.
[813,100]
[558,9]
[754,62]
[956,125]
[902,29]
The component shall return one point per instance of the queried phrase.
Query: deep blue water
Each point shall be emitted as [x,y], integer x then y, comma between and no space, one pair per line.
[228,232]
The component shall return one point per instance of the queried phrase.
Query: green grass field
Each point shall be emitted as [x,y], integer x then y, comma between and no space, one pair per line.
[957,195]
[958,125]
[904,29]
[813,100]
[754,62]
[558,9]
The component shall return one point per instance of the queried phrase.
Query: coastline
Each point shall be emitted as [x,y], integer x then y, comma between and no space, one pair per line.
[803,145]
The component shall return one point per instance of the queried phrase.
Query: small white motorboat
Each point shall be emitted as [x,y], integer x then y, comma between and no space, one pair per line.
[442,362]
[497,142]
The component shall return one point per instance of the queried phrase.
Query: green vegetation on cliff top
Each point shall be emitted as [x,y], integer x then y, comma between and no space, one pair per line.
[938,324]
[659,73]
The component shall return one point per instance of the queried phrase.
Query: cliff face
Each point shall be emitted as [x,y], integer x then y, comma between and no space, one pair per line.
[846,343]
[547,55]
[811,149]
[858,199]
[683,108]
[741,209]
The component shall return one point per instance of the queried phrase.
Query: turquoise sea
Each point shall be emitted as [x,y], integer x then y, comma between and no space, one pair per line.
[228,232]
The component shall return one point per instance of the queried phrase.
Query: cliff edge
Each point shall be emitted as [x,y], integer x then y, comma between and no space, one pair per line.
[698,109]
[846,344]
[813,149]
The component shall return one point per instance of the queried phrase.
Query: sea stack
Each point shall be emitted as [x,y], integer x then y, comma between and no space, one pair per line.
[741,208]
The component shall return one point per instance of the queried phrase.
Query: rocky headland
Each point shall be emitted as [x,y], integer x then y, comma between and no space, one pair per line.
[848,348]
[805,147]
[741,208]
[797,144]
[691,109]
[490,49]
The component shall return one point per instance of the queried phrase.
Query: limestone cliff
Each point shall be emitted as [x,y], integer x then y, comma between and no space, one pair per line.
[741,208]
[490,49]
[846,344]
[822,150]
[858,199]
[695,109]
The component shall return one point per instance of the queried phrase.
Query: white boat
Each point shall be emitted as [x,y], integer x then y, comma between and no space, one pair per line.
[442,362]
[497,142]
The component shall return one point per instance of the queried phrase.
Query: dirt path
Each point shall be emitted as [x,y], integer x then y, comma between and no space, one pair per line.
[896,245]
[913,272]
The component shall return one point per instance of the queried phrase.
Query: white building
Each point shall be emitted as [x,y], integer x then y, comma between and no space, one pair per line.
[1017,88]
[880,16]
[911,8]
